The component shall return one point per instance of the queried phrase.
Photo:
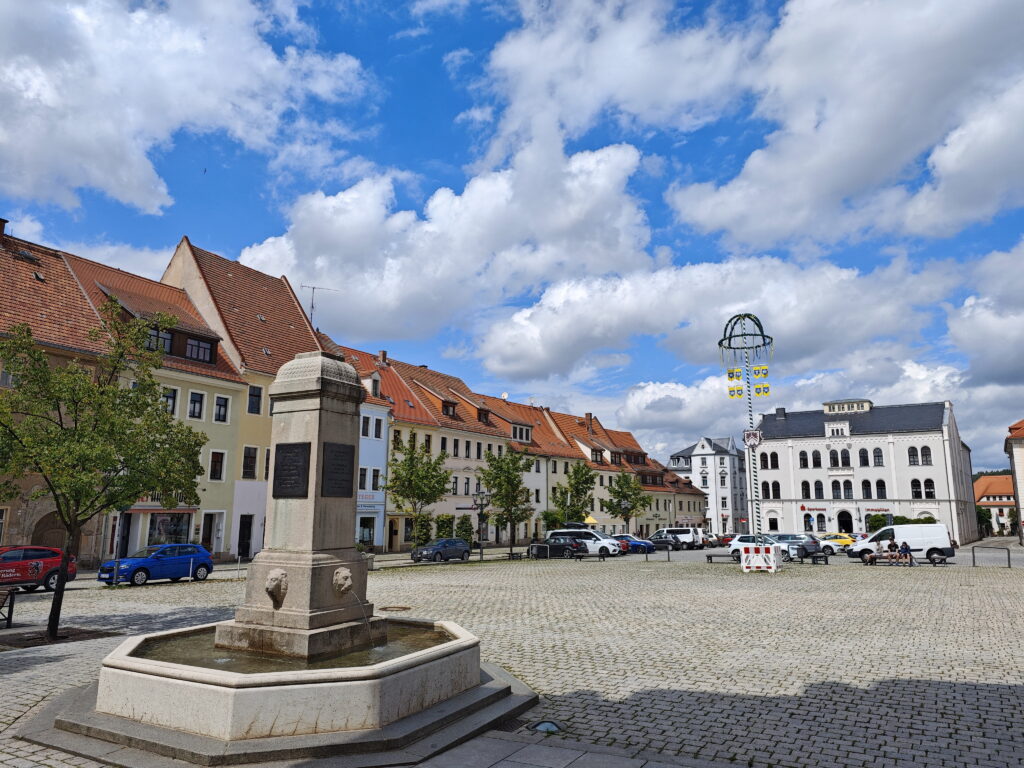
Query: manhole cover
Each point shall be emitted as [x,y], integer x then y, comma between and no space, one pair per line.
[394,608]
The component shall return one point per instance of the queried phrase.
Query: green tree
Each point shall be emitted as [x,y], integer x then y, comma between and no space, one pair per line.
[98,435]
[553,519]
[875,522]
[445,526]
[984,519]
[416,480]
[464,529]
[574,498]
[510,498]
[626,497]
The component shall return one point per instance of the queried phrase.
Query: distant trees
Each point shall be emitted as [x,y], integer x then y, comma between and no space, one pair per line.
[625,497]
[509,496]
[574,498]
[416,480]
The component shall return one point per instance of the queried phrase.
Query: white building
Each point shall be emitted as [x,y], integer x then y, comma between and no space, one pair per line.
[828,470]
[717,467]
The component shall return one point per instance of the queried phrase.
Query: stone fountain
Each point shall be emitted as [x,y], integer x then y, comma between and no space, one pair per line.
[304,669]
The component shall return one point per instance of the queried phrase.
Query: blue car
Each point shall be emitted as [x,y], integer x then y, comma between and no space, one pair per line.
[160,561]
[636,545]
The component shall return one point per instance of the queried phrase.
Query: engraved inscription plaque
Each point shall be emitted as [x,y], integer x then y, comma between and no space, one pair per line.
[339,469]
[291,471]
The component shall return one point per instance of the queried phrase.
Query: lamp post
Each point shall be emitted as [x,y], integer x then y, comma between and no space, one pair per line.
[744,338]
[480,501]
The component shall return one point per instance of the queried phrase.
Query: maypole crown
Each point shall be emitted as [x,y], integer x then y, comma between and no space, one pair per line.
[744,333]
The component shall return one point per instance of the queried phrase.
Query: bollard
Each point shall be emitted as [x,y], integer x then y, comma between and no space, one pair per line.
[238,568]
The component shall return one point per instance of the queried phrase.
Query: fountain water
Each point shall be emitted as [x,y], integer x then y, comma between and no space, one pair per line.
[304,668]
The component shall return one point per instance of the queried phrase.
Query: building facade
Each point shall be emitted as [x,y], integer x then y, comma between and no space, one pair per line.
[1014,447]
[828,469]
[994,493]
[718,468]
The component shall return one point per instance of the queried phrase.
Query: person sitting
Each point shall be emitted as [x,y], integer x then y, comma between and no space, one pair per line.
[904,552]
[878,554]
[894,551]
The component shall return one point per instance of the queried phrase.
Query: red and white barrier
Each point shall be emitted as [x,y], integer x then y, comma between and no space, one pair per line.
[761,557]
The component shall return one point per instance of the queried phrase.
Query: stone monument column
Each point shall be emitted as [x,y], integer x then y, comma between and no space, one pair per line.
[306,591]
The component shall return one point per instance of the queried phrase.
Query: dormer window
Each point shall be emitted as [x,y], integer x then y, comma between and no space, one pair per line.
[375,386]
[198,350]
[159,340]
[522,434]
[484,416]
[597,456]
[448,408]
[616,458]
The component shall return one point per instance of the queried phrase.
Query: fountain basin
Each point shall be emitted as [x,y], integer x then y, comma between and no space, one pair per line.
[231,705]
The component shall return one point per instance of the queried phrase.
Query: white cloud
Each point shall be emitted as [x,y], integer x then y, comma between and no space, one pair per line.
[861,92]
[454,60]
[509,232]
[814,311]
[91,88]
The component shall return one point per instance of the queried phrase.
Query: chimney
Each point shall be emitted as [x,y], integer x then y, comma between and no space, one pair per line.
[383,355]
[3,227]
[590,423]
[780,414]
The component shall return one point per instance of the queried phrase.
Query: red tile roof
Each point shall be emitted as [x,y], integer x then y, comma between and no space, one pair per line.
[545,441]
[993,485]
[1017,430]
[242,295]
[55,308]
[145,297]
[433,388]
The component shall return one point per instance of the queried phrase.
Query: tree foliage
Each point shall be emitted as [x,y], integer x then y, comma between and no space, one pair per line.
[416,480]
[573,499]
[510,498]
[98,434]
[464,529]
[445,525]
[625,497]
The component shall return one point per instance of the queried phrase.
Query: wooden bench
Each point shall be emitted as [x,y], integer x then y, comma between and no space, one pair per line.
[7,605]
[914,561]
[726,556]
[816,558]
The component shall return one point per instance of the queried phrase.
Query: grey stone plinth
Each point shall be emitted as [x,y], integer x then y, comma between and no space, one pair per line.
[302,643]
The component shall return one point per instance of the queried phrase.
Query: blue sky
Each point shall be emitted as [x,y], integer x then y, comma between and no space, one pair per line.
[563,200]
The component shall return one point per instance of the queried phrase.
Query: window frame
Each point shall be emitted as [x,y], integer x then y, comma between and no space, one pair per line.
[202,405]
[255,462]
[249,399]
[177,391]
[200,347]
[223,466]
[227,409]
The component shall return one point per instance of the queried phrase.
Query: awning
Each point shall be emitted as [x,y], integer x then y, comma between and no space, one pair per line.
[590,520]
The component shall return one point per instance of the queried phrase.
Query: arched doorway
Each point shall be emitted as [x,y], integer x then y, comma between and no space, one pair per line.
[48,532]
[821,522]
[845,521]
[808,522]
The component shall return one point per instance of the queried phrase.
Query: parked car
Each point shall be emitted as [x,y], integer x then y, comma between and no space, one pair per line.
[789,541]
[727,538]
[747,539]
[31,567]
[442,549]
[927,539]
[690,538]
[662,540]
[835,542]
[597,543]
[636,545]
[159,561]
[623,545]
[558,546]
[712,539]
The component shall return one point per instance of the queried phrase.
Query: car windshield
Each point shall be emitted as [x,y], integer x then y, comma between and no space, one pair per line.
[147,552]
[435,543]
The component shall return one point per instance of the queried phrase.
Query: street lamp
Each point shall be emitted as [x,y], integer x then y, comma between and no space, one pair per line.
[743,338]
[480,500]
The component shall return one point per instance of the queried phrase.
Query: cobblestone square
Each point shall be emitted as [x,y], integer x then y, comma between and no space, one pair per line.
[839,665]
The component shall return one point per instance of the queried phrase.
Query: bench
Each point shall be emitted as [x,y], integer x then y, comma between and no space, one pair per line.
[727,556]
[7,605]
[816,558]
[514,555]
[914,561]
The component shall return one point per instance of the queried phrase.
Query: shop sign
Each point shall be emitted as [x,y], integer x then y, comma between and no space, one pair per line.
[812,509]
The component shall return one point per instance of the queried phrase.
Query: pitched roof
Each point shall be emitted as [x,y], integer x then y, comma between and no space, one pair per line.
[144,298]
[544,440]
[242,296]
[881,419]
[55,308]
[432,388]
[364,363]
[718,445]
[1016,430]
[993,485]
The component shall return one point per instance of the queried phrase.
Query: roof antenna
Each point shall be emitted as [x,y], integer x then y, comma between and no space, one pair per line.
[312,298]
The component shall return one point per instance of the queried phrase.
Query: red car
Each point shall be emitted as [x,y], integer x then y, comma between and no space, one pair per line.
[32,567]
[726,538]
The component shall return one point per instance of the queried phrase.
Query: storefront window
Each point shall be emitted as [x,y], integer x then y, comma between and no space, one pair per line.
[408,529]
[169,527]
[366,530]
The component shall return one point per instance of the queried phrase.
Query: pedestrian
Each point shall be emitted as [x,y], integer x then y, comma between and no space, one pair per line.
[894,551]
[879,552]
[905,553]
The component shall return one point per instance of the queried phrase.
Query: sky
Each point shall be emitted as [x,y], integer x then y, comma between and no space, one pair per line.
[564,201]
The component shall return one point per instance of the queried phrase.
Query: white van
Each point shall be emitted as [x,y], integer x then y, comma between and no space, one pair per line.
[690,538]
[925,540]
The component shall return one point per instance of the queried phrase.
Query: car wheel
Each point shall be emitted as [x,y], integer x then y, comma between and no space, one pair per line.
[139,578]
[786,557]
[29,587]
[437,558]
[465,556]
[603,550]
[736,555]
[567,554]
[865,557]
[50,582]
[828,551]
[201,573]
[933,555]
